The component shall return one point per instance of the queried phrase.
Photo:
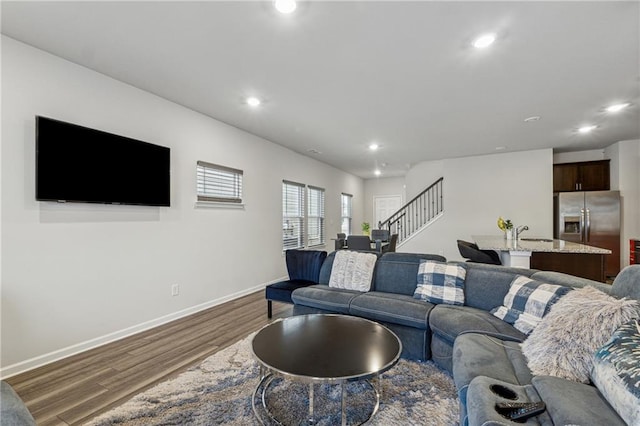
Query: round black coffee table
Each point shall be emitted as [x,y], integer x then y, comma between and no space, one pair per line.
[321,349]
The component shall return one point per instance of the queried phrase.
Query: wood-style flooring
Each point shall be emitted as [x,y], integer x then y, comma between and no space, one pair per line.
[76,389]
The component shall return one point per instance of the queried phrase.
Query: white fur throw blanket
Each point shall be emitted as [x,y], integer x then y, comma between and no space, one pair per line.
[352,270]
[565,341]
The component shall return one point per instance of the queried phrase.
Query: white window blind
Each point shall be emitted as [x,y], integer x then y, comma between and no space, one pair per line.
[345,202]
[292,215]
[315,216]
[218,183]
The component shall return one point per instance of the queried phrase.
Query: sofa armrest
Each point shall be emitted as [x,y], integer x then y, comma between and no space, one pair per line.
[500,336]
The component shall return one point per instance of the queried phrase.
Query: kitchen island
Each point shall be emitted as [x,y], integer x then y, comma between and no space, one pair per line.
[547,255]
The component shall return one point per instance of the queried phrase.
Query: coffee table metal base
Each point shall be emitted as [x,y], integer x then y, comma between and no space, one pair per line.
[267,378]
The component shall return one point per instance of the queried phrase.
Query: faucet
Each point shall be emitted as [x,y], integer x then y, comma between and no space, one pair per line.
[520,230]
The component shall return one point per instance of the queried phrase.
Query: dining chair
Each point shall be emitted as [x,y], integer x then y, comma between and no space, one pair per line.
[391,247]
[358,242]
[380,234]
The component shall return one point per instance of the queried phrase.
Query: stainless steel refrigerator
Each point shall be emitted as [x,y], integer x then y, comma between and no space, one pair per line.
[591,218]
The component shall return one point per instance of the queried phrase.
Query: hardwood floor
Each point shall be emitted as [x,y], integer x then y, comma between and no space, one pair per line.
[78,388]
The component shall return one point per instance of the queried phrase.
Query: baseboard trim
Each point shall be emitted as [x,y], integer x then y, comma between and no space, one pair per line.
[42,360]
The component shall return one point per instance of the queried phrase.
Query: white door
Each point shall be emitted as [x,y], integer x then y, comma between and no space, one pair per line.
[384,207]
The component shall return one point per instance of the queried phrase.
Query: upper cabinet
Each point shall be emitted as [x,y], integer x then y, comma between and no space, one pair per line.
[583,176]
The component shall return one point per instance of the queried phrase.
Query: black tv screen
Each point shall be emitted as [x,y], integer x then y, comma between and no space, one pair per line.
[78,164]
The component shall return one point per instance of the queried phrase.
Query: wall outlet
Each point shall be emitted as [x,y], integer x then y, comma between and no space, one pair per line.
[175,289]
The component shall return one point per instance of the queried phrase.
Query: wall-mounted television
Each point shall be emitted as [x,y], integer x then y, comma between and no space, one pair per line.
[79,164]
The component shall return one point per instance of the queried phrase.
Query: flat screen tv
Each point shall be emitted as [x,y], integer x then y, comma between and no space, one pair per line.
[78,164]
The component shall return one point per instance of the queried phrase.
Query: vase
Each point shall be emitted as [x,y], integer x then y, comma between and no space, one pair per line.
[508,234]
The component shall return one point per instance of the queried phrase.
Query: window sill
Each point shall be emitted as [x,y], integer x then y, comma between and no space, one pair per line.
[218,205]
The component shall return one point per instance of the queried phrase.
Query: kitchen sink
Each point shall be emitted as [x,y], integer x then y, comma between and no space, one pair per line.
[540,240]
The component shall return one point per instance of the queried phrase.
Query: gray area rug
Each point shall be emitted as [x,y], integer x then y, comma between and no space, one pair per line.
[220,391]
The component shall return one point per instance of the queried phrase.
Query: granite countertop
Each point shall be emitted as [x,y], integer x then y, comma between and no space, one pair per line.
[500,243]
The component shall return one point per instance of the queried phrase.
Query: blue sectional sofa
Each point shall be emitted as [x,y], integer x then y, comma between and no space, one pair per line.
[477,348]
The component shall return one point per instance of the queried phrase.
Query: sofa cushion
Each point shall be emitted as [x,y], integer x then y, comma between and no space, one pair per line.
[564,343]
[392,308]
[440,282]
[527,302]
[616,371]
[486,285]
[449,321]
[626,283]
[397,272]
[571,403]
[281,291]
[324,297]
[325,270]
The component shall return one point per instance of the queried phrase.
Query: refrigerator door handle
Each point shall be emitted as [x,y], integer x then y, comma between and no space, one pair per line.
[582,230]
[587,233]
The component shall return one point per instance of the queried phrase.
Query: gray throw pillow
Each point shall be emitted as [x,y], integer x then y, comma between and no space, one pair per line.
[565,341]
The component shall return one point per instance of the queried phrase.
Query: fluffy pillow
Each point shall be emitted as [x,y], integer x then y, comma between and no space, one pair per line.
[616,372]
[352,270]
[565,341]
[527,302]
[440,283]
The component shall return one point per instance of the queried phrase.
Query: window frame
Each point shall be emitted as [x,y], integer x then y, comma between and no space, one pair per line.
[346,213]
[226,184]
[293,215]
[319,235]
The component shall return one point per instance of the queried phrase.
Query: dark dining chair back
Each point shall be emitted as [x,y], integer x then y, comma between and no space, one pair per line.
[391,247]
[380,234]
[358,242]
[341,241]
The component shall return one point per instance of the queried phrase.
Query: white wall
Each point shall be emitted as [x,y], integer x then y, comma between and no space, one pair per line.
[76,275]
[477,190]
[574,157]
[625,177]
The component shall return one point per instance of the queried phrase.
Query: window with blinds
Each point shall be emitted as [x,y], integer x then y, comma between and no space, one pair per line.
[315,216]
[345,203]
[218,183]
[293,213]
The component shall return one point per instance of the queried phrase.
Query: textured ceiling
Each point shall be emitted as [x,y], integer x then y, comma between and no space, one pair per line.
[335,76]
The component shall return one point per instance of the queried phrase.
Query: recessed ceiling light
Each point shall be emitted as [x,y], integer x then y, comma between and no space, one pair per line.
[314,151]
[586,129]
[533,118]
[285,6]
[373,146]
[500,148]
[483,41]
[377,172]
[253,101]
[617,107]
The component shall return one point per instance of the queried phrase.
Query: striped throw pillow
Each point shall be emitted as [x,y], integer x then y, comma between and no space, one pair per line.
[527,302]
[440,283]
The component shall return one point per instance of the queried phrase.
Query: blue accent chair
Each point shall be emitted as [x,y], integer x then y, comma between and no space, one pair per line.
[303,267]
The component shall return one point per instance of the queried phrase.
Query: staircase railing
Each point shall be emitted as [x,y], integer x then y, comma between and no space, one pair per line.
[418,212]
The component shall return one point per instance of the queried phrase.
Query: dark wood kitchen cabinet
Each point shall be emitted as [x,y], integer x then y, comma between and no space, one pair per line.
[583,176]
